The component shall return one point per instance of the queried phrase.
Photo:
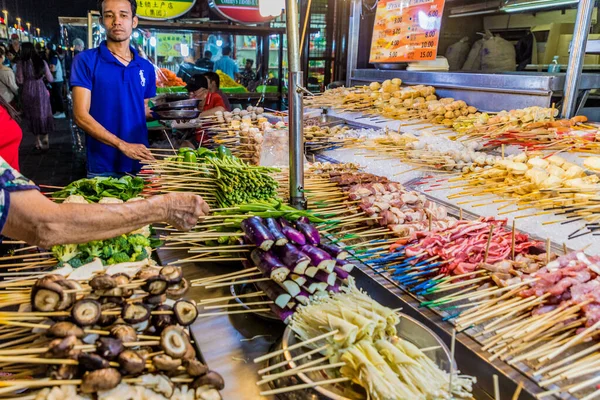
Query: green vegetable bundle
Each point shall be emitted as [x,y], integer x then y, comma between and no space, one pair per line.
[124,248]
[95,189]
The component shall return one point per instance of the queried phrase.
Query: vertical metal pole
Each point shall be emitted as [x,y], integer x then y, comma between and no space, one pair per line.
[353,33]
[580,35]
[296,112]
[90,31]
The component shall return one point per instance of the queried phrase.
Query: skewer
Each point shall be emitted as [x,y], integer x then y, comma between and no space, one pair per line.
[227,298]
[296,358]
[295,346]
[303,386]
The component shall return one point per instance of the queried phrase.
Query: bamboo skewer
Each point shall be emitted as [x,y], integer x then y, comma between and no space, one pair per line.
[295,346]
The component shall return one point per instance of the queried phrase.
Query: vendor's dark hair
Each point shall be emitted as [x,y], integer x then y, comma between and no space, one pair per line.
[132,2]
[213,76]
[226,50]
[28,53]
[9,109]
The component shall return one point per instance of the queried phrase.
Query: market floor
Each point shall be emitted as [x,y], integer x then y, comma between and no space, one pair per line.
[62,164]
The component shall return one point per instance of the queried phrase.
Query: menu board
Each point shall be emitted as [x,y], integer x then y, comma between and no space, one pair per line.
[406,30]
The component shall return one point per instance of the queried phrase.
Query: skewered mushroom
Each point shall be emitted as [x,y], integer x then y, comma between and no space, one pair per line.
[131,362]
[177,290]
[86,312]
[109,348]
[46,295]
[103,282]
[156,285]
[174,341]
[212,379]
[135,313]
[146,273]
[64,371]
[124,333]
[92,362]
[190,352]
[108,319]
[101,379]
[164,362]
[172,274]
[195,368]
[64,329]
[156,300]
[185,312]
[162,321]
[61,347]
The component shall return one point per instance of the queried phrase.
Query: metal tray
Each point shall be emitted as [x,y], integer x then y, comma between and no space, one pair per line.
[177,105]
[408,328]
[176,114]
[237,290]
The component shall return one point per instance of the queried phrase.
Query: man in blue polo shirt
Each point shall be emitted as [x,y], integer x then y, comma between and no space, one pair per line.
[111,85]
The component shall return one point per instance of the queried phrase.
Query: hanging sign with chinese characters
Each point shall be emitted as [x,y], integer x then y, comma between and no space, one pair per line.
[406,30]
[173,44]
[162,10]
[242,11]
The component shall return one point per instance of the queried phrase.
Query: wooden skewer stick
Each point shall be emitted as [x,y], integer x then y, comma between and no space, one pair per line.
[452,350]
[518,391]
[295,370]
[303,386]
[298,357]
[221,284]
[234,312]
[255,303]
[227,298]
[571,342]
[295,346]
[496,388]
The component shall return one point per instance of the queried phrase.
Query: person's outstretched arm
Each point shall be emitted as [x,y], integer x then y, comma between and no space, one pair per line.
[38,221]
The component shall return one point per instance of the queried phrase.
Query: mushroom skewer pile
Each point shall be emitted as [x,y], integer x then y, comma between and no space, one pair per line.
[94,334]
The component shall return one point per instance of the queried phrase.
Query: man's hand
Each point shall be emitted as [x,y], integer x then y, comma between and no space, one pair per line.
[184,209]
[135,151]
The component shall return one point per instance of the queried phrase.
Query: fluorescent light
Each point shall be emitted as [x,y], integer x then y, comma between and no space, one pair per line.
[470,14]
[536,5]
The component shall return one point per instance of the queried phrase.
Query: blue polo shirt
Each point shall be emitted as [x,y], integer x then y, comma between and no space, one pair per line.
[118,94]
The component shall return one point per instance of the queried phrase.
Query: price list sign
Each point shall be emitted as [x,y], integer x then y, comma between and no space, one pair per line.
[406,30]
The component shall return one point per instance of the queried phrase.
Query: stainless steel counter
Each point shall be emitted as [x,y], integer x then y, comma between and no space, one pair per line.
[486,91]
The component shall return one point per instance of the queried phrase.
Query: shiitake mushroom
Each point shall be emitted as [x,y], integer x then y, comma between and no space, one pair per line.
[61,347]
[47,296]
[123,279]
[155,300]
[131,362]
[64,329]
[174,341]
[103,282]
[160,322]
[108,319]
[155,285]
[195,368]
[164,362]
[134,313]
[125,333]
[109,348]
[69,298]
[177,290]
[212,379]
[190,352]
[101,379]
[92,362]
[185,312]
[86,312]
[64,371]
[112,299]
[146,273]
[172,274]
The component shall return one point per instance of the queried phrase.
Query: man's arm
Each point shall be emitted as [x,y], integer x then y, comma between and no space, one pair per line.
[39,221]
[82,99]
[212,111]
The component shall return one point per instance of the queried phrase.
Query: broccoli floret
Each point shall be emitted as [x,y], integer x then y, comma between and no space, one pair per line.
[138,242]
[93,248]
[65,252]
[139,256]
[121,244]
[75,262]
[118,258]
[87,260]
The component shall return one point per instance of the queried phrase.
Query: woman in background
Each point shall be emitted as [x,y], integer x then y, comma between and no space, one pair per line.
[8,83]
[31,71]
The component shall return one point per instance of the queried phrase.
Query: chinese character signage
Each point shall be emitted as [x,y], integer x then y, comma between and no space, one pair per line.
[161,10]
[173,44]
[406,30]
[242,11]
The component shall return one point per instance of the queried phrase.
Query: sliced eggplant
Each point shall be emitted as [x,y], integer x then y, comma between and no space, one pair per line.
[341,273]
[310,233]
[103,282]
[156,285]
[299,279]
[92,362]
[124,333]
[275,229]
[167,363]
[258,233]
[345,265]
[313,285]
[275,292]
[64,329]
[86,312]
[185,312]
[335,251]
[269,265]
[109,348]
[212,379]
[172,274]
[327,277]
[178,290]
[293,258]
[319,258]
[283,314]
[100,380]
[174,341]
[131,363]
[290,286]
[311,272]
[134,313]
[293,235]
[303,297]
